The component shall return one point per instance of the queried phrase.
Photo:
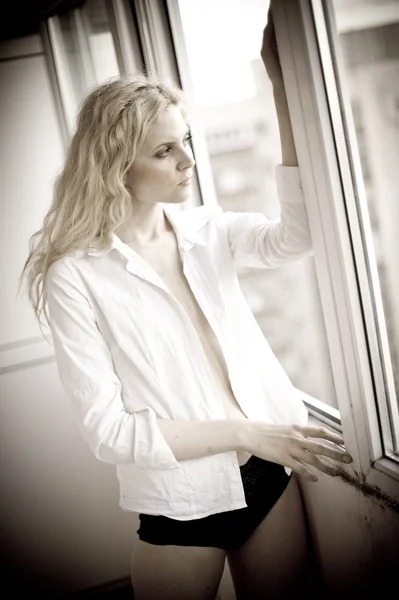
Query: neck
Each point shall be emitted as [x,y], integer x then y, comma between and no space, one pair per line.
[147,225]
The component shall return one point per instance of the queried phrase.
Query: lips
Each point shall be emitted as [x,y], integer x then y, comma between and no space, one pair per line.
[185,181]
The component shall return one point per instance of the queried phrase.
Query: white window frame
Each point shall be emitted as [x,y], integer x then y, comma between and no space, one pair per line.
[338,258]
[203,171]
[160,31]
[125,35]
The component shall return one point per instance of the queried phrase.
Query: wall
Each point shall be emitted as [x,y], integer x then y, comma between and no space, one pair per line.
[61,527]
[355,537]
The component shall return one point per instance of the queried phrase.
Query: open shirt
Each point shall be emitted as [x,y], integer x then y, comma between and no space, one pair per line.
[127,353]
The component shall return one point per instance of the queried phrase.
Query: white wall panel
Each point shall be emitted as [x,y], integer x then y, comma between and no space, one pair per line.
[61,526]
[30,156]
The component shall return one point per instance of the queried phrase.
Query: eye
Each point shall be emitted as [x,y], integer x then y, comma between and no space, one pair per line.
[168,149]
[165,152]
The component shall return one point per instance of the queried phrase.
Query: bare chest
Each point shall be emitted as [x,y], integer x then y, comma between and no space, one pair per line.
[166,262]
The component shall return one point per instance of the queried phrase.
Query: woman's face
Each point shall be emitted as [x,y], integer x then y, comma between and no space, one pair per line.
[164,162]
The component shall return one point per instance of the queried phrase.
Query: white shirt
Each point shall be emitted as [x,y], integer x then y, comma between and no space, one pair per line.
[127,352]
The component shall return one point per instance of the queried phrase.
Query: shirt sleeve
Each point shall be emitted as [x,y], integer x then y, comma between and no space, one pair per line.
[257,241]
[87,375]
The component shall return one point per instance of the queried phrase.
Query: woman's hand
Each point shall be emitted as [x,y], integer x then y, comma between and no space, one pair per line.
[290,446]
[269,52]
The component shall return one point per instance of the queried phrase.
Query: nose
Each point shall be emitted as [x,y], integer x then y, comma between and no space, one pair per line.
[187,161]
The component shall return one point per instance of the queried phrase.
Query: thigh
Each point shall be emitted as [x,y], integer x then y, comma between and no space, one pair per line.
[272,563]
[176,572]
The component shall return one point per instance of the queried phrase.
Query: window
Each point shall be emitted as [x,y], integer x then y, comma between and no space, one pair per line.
[339,176]
[234,99]
[84,53]
[354,74]
[368,73]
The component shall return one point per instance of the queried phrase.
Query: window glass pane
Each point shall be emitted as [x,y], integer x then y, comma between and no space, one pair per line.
[369,38]
[84,52]
[234,98]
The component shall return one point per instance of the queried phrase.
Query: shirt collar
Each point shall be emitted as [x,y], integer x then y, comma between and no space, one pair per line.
[186,224]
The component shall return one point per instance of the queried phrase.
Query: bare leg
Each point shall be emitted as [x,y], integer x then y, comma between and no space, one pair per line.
[273,562]
[176,572]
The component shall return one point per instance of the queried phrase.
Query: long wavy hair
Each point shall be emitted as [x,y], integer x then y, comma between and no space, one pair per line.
[90,196]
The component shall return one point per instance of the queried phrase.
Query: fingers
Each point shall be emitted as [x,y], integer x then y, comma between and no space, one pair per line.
[314,450]
[322,466]
[269,25]
[318,448]
[301,468]
[324,449]
[322,432]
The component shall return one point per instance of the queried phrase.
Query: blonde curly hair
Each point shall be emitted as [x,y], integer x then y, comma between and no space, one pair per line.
[90,196]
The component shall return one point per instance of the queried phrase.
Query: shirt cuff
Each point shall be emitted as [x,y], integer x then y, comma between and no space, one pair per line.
[151,450]
[289,185]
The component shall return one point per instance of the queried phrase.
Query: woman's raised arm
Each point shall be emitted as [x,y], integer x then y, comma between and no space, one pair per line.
[271,60]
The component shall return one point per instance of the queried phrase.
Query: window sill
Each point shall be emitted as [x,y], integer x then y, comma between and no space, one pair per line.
[322,411]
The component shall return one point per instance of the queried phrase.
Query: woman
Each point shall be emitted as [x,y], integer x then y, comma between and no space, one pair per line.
[168,373]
